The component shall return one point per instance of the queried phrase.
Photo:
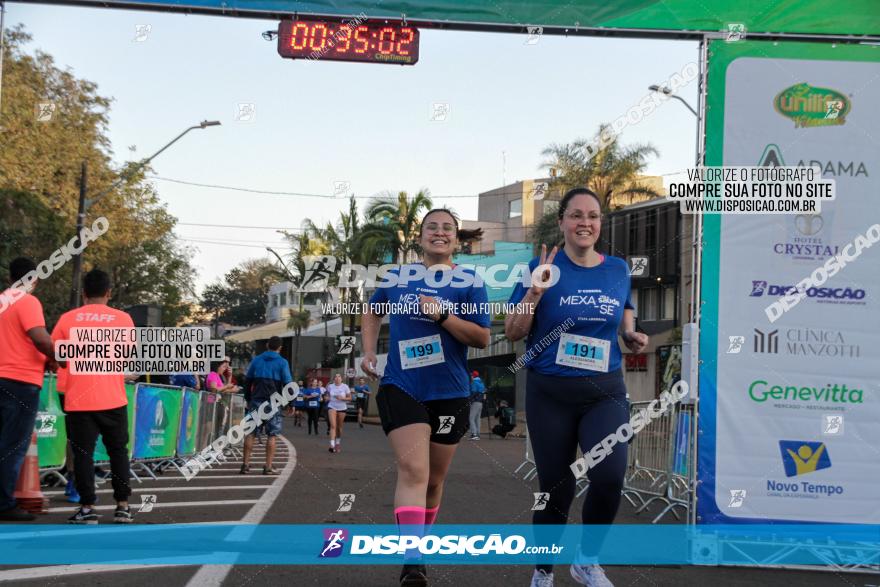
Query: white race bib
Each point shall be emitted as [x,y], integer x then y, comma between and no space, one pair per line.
[360,395]
[583,352]
[313,403]
[420,352]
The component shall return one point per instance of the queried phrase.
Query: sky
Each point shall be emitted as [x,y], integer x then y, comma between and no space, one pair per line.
[321,123]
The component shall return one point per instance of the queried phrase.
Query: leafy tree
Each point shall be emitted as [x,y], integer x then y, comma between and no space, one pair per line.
[40,170]
[602,165]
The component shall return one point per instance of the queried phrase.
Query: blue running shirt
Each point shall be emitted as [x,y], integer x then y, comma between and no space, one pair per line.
[434,380]
[593,297]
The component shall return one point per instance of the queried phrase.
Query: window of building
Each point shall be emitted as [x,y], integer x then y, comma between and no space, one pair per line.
[282,299]
[650,231]
[667,310]
[274,300]
[633,241]
[648,303]
[515,208]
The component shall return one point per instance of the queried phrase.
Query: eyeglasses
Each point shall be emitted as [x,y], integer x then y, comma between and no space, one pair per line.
[578,216]
[434,227]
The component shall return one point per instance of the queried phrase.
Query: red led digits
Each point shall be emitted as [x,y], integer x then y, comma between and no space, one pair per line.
[343,41]
[386,47]
[407,35]
[362,31]
[299,29]
[322,29]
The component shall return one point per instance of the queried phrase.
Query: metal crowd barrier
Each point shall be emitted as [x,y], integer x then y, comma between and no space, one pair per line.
[168,425]
[659,462]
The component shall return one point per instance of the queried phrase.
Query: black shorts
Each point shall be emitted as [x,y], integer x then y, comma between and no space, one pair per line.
[362,403]
[448,418]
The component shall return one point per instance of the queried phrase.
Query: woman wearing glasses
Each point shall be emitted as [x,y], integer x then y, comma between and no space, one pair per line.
[575,392]
[423,398]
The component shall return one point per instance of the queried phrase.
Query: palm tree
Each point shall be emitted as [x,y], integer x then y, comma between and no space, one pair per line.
[393,224]
[604,166]
[296,321]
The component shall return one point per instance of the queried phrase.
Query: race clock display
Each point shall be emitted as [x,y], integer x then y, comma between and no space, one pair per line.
[338,41]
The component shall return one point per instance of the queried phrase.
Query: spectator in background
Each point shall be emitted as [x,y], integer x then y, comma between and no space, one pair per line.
[478,396]
[215,381]
[268,373]
[96,404]
[190,380]
[506,417]
[25,345]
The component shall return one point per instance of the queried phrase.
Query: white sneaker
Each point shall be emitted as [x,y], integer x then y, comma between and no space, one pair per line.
[542,579]
[590,575]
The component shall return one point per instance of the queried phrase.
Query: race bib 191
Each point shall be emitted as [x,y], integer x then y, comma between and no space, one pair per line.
[583,352]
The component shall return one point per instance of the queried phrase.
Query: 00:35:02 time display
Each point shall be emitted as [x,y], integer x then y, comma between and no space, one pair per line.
[319,37]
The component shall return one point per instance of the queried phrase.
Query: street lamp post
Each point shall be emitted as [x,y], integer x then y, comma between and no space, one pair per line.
[666,91]
[85,203]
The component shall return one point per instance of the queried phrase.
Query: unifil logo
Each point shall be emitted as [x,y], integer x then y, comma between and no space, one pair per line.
[766,343]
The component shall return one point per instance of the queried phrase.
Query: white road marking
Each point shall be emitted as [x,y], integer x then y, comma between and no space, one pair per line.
[158,489]
[214,575]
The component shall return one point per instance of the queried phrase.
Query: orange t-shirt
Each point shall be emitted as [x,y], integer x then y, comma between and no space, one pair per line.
[86,392]
[19,358]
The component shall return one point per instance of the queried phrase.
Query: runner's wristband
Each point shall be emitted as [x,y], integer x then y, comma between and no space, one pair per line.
[442,318]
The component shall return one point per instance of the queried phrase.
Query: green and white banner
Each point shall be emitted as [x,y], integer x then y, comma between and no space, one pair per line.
[789,399]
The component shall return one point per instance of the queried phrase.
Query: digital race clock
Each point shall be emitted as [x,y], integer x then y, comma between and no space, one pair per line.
[337,41]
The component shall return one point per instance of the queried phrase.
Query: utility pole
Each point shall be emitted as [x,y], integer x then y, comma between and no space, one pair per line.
[80,222]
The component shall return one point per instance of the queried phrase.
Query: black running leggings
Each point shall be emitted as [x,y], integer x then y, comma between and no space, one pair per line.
[313,419]
[563,412]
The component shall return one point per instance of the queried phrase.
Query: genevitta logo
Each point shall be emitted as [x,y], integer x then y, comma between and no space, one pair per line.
[761,390]
[334,542]
[830,295]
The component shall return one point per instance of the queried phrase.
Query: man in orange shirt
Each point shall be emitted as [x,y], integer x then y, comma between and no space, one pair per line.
[96,404]
[25,345]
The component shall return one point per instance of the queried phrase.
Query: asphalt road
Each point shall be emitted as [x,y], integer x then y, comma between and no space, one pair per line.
[481,488]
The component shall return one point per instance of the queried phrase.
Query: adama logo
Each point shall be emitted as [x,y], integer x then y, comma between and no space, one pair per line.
[810,106]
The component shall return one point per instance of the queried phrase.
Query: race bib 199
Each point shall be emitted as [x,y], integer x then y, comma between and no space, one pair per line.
[420,352]
[583,352]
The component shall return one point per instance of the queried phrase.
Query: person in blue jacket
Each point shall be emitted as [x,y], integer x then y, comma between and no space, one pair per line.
[267,374]
[575,393]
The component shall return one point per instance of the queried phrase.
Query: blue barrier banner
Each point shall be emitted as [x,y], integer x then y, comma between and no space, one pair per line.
[157,421]
[635,544]
[189,423]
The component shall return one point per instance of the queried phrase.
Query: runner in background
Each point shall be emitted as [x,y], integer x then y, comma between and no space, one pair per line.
[268,373]
[362,396]
[339,393]
[25,346]
[325,400]
[423,396]
[313,404]
[575,393]
[299,405]
[96,405]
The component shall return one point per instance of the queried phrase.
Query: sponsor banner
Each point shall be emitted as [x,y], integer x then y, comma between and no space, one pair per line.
[189,422]
[100,450]
[291,544]
[788,415]
[158,422]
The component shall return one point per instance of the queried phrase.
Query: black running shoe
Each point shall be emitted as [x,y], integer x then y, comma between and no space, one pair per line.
[122,516]
[82,517]
[414,576]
